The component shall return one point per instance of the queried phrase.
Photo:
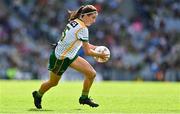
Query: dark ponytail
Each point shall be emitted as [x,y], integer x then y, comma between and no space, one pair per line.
[88,9]
[75,14]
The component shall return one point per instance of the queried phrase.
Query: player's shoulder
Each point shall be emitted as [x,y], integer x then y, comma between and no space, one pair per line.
[81,23]
[83,30]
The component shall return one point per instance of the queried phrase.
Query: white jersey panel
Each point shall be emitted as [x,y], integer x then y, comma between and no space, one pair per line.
[83,34]
[71,40]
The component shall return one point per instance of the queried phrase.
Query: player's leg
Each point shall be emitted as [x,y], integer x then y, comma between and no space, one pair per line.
[53,81]
[37,95]
[57,67]
[84,67]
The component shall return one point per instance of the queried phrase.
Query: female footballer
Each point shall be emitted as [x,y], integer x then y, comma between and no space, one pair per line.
[64,55]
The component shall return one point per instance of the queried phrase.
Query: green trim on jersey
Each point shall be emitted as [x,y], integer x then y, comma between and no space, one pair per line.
[84,40]
[58,66]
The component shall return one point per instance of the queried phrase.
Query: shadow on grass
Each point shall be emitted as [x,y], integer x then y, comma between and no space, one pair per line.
[78,109]
[40,110]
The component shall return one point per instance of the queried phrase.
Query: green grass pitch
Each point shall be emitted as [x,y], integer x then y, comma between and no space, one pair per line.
[113,97]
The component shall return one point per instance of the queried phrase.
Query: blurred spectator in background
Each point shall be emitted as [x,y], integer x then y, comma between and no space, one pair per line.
[143,36]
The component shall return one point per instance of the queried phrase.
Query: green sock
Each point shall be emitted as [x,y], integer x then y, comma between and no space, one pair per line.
[84,94]
[39,94]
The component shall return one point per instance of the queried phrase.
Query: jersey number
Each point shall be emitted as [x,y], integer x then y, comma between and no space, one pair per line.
[73,24]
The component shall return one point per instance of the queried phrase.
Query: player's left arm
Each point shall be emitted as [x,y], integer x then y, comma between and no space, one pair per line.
[83,35]
[91,46]
[91,52]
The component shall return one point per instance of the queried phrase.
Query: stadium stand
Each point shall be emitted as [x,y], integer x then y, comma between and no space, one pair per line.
[142,35]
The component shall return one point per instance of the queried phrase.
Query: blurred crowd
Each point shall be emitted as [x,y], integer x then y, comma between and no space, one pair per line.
[142,35]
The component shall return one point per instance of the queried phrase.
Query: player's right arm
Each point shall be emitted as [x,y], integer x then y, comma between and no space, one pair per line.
[90,52]
[88,48]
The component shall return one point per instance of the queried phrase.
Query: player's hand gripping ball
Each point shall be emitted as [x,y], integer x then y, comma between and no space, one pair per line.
[102,49]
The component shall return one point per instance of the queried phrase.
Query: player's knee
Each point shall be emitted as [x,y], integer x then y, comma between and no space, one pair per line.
[92,74]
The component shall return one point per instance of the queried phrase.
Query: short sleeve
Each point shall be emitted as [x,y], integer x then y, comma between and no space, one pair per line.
[83,34]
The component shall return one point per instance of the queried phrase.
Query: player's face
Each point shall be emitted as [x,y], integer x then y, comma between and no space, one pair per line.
[90,19]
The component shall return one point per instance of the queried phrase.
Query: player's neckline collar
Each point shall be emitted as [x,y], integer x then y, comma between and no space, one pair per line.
[81,22]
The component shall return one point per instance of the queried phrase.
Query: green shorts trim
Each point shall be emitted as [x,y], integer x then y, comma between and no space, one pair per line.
[58,66]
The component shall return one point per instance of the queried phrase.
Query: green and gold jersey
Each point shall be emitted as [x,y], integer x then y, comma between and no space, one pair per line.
[71,40]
